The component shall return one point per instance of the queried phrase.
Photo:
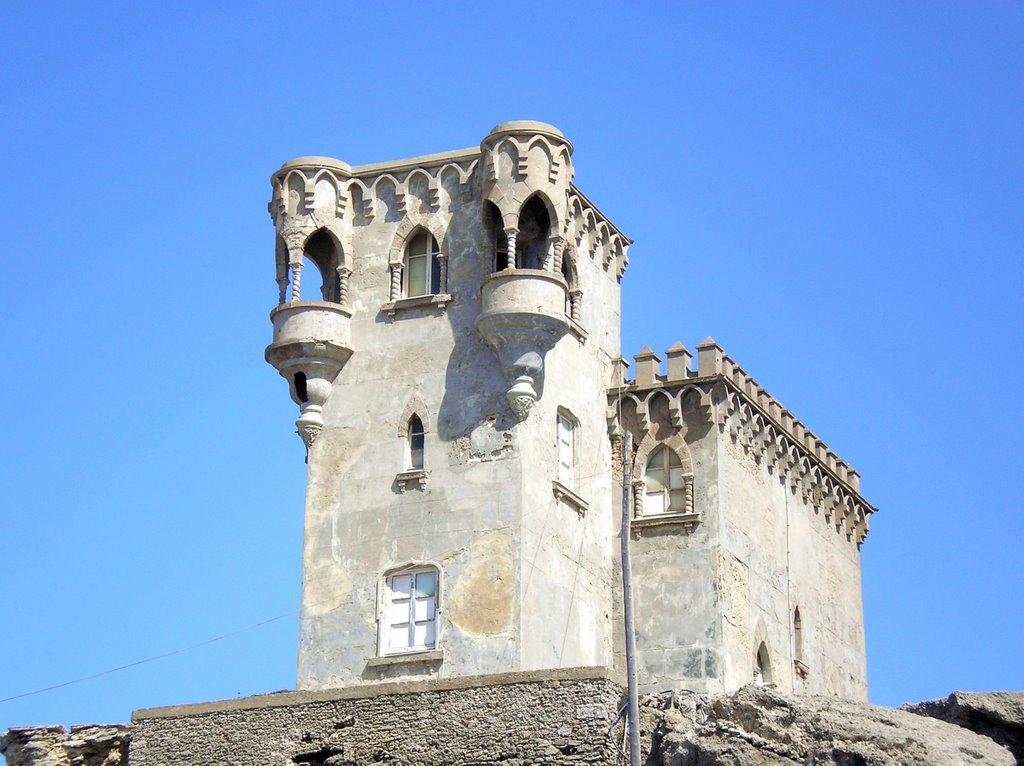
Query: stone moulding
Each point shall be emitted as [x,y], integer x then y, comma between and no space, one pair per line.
[564,494]
[415,479]
[434,656]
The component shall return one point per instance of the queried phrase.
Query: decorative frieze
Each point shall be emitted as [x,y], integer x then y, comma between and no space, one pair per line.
[729,398]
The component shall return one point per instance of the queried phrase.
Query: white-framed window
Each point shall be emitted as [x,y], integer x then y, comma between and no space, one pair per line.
[568,430]
[410,611]
[665,490]
[421,272]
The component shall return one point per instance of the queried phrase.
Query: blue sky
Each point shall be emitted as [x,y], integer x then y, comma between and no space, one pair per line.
[832,190]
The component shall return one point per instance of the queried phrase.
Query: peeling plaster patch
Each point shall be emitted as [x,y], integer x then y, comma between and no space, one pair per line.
[485,442]
[481,599]
[328,586]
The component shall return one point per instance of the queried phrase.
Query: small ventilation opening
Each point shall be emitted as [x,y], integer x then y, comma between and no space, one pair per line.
[300,387]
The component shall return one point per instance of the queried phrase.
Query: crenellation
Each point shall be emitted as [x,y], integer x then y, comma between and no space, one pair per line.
[760,425]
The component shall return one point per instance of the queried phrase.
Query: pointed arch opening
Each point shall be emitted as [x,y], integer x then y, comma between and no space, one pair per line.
[762,666]
[323,255]
[534,237]
[665,488]
[416,437]
[421,269]
[798,636]
[497,238]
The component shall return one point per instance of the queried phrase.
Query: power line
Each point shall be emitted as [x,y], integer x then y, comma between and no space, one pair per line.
[155,657]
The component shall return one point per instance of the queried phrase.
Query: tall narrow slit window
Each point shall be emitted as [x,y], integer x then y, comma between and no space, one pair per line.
[411,612]
[422,269]
[666,484]
[566,451]
[415,442]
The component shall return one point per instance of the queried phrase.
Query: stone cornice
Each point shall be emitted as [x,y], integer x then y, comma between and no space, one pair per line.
[757,422]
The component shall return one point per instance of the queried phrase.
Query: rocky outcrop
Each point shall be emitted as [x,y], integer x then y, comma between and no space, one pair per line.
[53,746]
[998,715]
[759,727]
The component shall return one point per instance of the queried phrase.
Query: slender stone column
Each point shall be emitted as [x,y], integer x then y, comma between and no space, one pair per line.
[510,262]
[396,281]
[689,495]
[639,489]
[343,287]
[558,246]
[282,287]
[576,305]
[442,260]
[296,266]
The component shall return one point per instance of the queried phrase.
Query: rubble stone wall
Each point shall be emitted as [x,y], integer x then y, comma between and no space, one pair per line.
[519,718]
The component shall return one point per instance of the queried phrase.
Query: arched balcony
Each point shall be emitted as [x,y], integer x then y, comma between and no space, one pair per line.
[312,340]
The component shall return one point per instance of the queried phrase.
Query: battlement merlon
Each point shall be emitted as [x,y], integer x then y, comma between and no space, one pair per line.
[754,418]
[523,156]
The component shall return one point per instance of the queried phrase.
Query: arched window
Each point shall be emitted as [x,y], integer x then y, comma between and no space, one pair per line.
[762,666]
[421,273]
[665,483]
[798,637]
[320,277]
[532,241]
[415,443]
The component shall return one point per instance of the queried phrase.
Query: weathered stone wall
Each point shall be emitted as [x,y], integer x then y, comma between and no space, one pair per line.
[520,719]
[778,554]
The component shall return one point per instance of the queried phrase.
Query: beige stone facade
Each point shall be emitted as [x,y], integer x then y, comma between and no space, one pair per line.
[449,327]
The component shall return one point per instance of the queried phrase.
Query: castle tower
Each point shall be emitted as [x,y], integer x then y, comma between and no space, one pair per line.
[450,373]
[449,328]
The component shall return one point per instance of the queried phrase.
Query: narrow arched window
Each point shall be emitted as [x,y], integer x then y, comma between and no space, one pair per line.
[665,490]
[421,274]
[798,636]
[415,442]
[762,666]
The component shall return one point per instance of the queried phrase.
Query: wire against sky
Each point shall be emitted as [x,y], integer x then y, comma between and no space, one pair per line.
[182,650]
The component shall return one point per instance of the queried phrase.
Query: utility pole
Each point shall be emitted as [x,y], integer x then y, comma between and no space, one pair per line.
[632,707]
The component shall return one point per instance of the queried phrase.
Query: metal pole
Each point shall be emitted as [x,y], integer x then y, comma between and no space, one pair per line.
[633,709]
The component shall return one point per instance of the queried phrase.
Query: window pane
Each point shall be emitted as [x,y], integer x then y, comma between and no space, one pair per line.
[654,503]
[399,637]
[656,460]
[416,458]
[655,479]
[677,500]
[418,246]
[423,635]
[675,478]
[435,276]
[401,586]
[415,283]
[426,584]
[673,458]
[398,612]
[424,609]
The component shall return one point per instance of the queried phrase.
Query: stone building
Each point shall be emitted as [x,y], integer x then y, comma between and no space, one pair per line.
[449,328]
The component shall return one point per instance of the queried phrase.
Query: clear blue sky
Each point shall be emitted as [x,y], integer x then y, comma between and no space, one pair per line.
[832,190]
